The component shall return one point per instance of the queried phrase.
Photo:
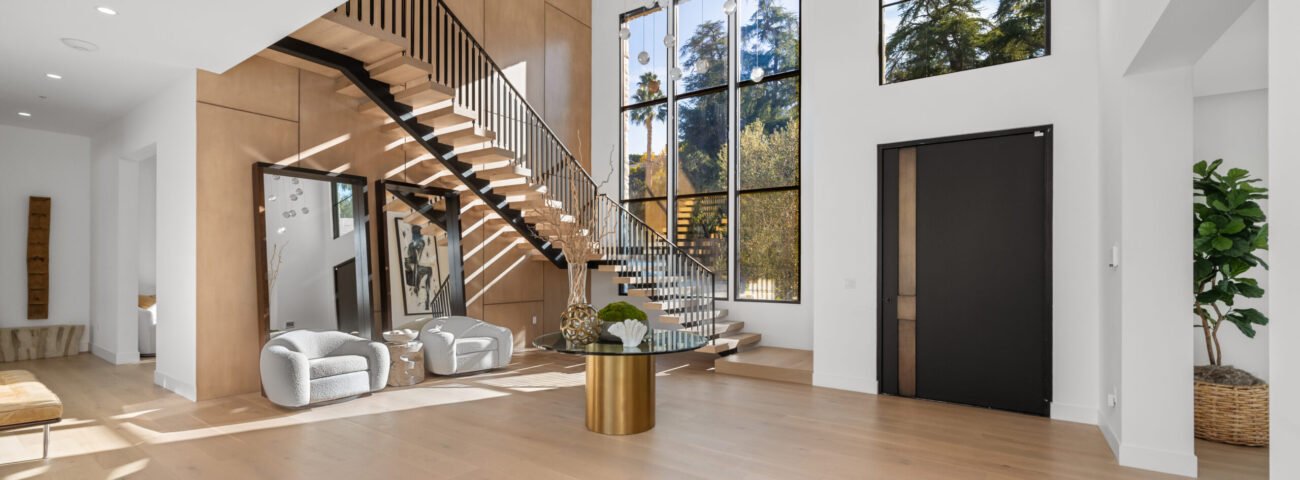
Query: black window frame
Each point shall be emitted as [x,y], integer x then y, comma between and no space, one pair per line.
[733,192]
[881,54]
[334,206]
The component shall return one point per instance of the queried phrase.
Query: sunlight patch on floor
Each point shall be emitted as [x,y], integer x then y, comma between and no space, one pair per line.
[537,382]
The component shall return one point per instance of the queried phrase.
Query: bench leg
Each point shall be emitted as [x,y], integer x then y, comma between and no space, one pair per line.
[45,449]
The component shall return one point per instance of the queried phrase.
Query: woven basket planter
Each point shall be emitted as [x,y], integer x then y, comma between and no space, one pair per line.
[1232,414]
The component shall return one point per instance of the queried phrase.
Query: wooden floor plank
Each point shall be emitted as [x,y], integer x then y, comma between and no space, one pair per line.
[527,421]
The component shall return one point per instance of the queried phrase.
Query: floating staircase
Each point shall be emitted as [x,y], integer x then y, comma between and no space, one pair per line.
[468,129]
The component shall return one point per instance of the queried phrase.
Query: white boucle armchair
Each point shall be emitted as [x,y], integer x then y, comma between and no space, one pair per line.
[303,367]
[455,345]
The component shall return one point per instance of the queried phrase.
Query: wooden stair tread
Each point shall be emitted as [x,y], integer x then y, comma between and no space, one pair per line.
[720,327]
[771,363]
[468,135]
[718,314]
[301,64]
[417,95]
[399,69]
[336,32]
[730,342]
[500,171]
[485,155]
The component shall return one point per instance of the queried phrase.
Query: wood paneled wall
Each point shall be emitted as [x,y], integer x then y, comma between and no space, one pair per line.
[265,111]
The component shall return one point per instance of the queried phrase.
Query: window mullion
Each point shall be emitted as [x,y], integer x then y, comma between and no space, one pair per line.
[670,159]
[733,151]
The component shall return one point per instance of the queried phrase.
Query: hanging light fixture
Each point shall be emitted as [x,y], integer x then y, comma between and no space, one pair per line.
[648,4]
[286,214]
[701,66]
[272,198]
[293,197]
[729,6]
[624,33]
[674,74]
[669,40]
[305,210]
[757,74]
[643,57]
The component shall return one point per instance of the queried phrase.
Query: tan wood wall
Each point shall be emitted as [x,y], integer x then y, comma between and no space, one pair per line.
[264,111]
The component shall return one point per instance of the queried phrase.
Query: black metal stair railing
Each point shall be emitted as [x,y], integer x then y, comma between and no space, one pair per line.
[457,60]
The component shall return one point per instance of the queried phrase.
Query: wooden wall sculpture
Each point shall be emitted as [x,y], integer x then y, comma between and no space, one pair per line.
[38,258]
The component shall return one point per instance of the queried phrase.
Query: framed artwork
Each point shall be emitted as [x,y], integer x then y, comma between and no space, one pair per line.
[418,258]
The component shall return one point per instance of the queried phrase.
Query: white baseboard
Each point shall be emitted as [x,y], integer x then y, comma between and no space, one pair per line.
[115,358]
[844,382]
[1111,439]
[1074,413]
[1163,461]
[176,386]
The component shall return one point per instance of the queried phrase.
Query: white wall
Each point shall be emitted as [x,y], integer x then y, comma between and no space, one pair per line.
[162,127]
[1284,177]
[1238,61]
[147,213]
[1234,127]
[55,165]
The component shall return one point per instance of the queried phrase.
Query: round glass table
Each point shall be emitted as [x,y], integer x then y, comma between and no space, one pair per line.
[621,380]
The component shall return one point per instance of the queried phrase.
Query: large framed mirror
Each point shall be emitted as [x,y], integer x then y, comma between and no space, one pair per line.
[312,231]
[421,264]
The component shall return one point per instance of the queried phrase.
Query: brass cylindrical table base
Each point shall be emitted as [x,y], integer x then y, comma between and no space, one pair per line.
[620,394]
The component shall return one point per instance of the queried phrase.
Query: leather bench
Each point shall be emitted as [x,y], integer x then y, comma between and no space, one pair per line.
[26,402]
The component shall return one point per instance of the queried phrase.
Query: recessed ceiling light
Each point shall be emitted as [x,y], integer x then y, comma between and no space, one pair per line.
[24,114]
[79,44]
[54,76]
[106,10]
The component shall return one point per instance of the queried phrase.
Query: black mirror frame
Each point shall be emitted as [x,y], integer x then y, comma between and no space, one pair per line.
[450,222]
[361,220]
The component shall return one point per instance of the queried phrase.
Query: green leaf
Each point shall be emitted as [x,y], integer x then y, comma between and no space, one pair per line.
[1220,205]
[1199,168]
[1249,211]
[1221,243]
[1207,229]
[1250,291]
[1253,316]
[1234,226]
[1236,174]
[1243,325]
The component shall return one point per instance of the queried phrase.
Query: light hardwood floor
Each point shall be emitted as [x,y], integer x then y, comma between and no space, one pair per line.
[527,422]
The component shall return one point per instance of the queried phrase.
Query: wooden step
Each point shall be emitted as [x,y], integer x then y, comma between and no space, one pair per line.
[682,317]
[625,280]
[399,69]
[510,186]
[769,363]
[397,206]
[344,86]
[666,305]
[299,63]
[417,96]
[731,342]
[720,327]
[647,292]
[416,218]
[468,135]
[501,170]
[485,155]
[444,115]
[367,43]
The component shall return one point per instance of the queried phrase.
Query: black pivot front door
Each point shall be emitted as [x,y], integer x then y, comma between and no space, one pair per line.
[965,270]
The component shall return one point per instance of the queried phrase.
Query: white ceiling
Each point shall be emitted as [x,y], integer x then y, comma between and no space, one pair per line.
[144,48]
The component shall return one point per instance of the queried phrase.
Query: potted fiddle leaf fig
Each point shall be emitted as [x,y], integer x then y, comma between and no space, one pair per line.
[1230,229]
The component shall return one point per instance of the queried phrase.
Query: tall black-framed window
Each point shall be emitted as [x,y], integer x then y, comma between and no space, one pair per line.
[720,79]
[925,38]
[341,203]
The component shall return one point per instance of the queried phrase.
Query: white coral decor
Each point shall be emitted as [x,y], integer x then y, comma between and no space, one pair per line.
[630,331]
